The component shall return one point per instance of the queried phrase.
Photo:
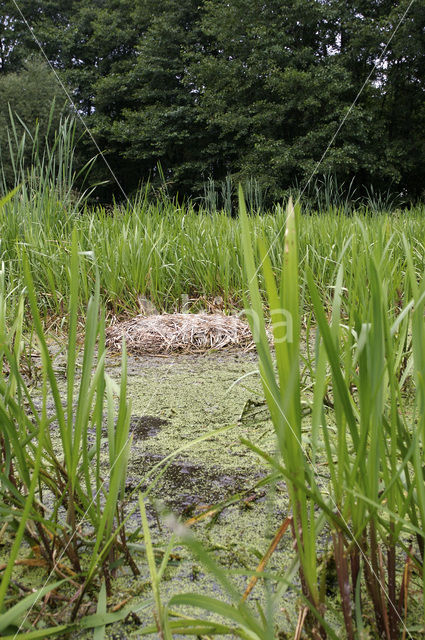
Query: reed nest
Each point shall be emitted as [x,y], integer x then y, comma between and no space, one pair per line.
[180,333]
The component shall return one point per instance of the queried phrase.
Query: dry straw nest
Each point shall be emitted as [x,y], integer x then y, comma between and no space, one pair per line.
[180,332]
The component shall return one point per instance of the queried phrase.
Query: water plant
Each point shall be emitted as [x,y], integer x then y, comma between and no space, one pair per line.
[363,512]
[60,500]
[163,252]
[352,287]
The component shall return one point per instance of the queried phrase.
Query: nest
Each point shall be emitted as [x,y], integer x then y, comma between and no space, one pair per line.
[179,333]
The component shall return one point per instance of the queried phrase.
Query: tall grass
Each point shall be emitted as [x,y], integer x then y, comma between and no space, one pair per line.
[60,499]
[366,514]
[164,250]
[352,285]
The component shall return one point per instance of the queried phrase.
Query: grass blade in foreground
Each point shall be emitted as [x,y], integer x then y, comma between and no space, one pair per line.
[34,467]
[283,393]
[360,434]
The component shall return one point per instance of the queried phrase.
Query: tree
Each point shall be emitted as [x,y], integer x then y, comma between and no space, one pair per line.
[402,101]
[31,100]
[248,87]
[153,125]
[274,86]
[16,42]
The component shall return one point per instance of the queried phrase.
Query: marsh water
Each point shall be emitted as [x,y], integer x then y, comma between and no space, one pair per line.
[176,402]
[188,415]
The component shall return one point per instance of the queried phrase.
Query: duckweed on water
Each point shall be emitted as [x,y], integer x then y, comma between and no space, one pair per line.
[175,401]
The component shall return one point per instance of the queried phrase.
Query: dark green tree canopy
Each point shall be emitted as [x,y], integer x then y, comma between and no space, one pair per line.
[247,88]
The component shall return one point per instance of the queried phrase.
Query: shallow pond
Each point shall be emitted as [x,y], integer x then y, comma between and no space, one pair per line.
[192,411]
[176,401]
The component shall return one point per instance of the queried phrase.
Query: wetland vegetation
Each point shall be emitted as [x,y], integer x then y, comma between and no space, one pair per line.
[164,496]
[274,162]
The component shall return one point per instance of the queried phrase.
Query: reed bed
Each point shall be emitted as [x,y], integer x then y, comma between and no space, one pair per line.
[365,515]
[172,255]
[353,285]
[178,256]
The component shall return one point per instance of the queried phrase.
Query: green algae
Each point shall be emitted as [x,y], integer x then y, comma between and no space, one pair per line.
[188,397]
[195,396]
[176,401]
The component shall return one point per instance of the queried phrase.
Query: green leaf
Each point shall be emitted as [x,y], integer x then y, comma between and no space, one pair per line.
[15,613]
[99,632]
[47,632]
[221,609]
[8,196]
